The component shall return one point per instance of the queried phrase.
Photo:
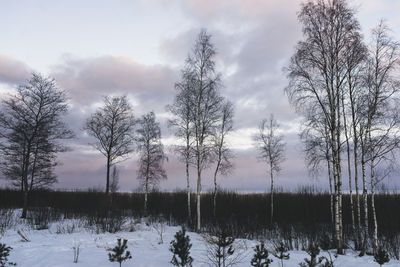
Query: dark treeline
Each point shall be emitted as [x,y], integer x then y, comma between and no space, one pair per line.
[245,214]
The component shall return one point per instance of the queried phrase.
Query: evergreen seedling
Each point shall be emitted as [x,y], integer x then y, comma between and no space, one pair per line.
[120,253]
[313,250]
[180,247]
[260,258]
[224,248]
[381,256]
[4,253]
[281,252]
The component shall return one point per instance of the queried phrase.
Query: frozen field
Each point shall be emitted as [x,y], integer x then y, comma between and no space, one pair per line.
[50,248]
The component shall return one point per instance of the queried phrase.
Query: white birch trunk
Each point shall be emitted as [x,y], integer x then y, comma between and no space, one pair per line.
[365,202]
[272,195]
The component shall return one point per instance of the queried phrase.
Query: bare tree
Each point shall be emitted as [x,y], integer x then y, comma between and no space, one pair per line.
[183,126]
[380,124]
[271,147]
[205,101]
[152,156]
[112,127]
[317,75]
[32,130]
[222,153]
[355,62]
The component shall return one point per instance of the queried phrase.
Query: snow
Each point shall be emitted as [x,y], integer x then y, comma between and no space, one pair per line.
[47,248]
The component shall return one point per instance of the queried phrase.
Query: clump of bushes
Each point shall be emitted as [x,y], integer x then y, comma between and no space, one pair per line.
[41,217]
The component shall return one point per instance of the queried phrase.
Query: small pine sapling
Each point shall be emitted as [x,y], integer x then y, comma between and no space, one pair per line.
[313,250]
[281,252]
[4,253]
[221,251]
[224,248]
[381,256]
[120,253]
[180,247]
[260,258]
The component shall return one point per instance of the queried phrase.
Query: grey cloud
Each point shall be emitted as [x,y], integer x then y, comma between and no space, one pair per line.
[233,12]
[256,52]
[268,46]
[89,79]
[86,81]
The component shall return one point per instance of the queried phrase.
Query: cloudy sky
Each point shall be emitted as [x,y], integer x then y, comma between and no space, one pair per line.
[97,48]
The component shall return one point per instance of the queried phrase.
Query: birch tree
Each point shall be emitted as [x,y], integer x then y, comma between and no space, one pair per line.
[31,129]
[205,102]
[151,170]
[380,124]
[112,127]
[355,62]
[222,153]
[183,126]
[271,148]
[317,74]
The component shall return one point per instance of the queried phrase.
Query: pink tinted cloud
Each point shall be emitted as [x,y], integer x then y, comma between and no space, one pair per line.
[90,78]
[13,71]
[249,9]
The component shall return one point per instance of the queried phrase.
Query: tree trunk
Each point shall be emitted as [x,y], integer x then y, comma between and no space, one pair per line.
[272,195]
[331,192]
[340,206]
[25,203]
[373,206]
[339,173]
[372,173]
[188,193]
[328,161]
[216,187]
[145,196]
[25,196]
[25,180]
[365,200]
[199,162]
[108,175]
[355,159]
[357,195]
[349,173]
[198,200]
[33,169]
[215,196]
[337,182]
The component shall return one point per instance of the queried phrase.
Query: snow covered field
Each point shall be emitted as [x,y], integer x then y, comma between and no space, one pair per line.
[50,248]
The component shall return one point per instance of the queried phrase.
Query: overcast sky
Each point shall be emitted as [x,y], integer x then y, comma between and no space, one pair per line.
[96,48]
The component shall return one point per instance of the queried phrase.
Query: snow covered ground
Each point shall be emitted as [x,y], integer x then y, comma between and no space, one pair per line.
[50,248]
